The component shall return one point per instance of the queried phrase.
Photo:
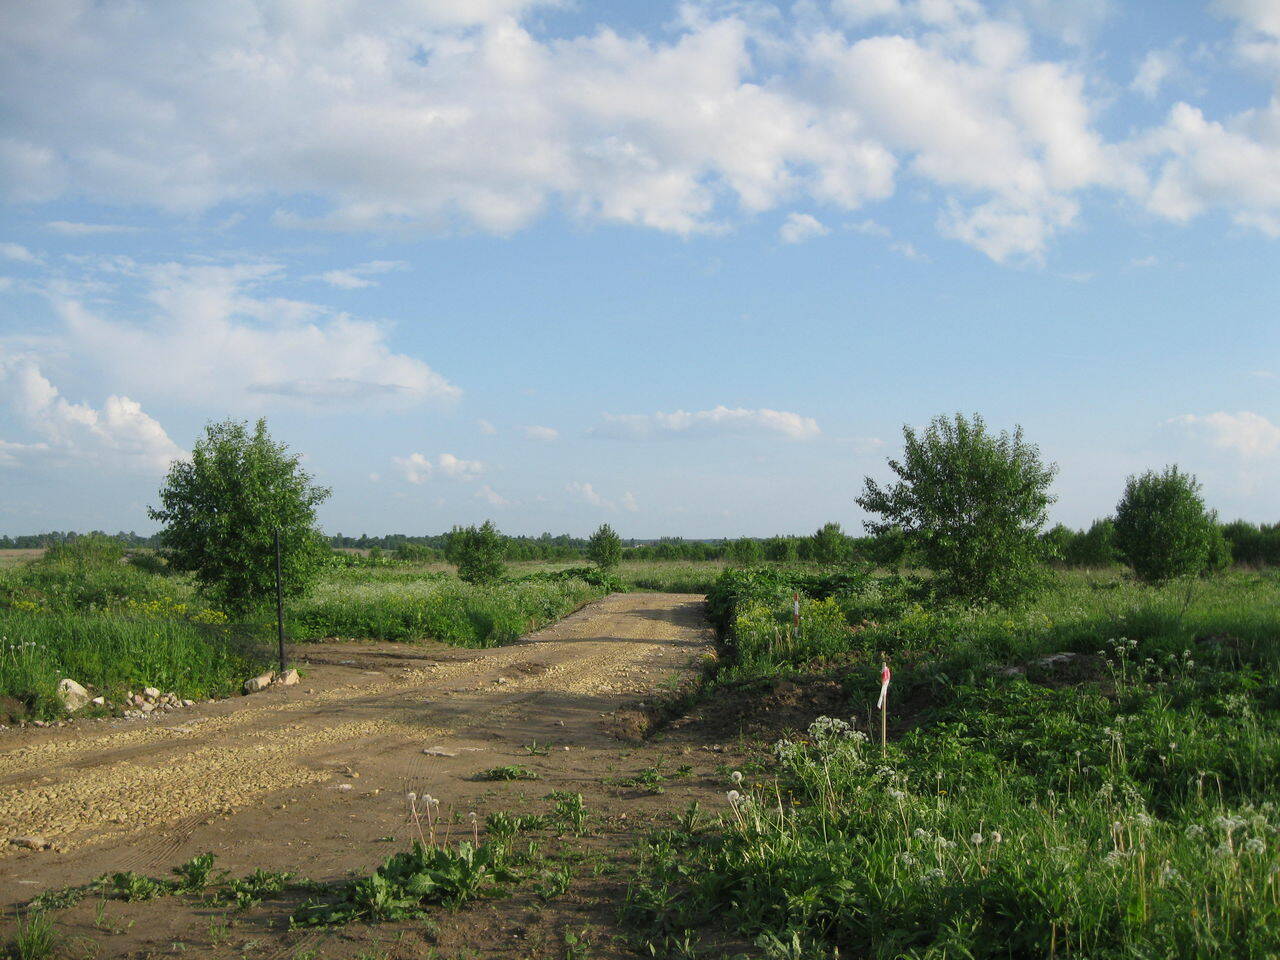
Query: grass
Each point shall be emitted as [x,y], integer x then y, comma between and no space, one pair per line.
[1120,808]
[673,576]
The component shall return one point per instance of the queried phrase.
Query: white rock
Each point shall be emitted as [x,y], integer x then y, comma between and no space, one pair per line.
[151,693]
[147,706]
[260,682]
[99,701]
[188,703]
[439,752]
[72,695]
[289,678]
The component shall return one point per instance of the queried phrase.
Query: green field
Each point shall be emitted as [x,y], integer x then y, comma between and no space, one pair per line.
[1119,803]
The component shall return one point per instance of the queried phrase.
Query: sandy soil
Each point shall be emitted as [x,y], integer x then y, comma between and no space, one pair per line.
[314,778]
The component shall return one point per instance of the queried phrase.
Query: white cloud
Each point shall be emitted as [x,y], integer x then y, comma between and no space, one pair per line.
[213,331]
[492,497]
[487,428]
[1248,434]
[119,435]
[18,253]
[541,434]
[719,421]
[357,278]
[800,227]
[1260,15]
[71,228]
[419,468]
[1154,70]
[587,493]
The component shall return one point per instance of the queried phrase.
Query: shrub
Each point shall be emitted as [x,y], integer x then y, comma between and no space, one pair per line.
[972,505]
[223,508]
[477,553]
[1095,547]
[1162,528]
[605,549]
[742,552]
[829,546]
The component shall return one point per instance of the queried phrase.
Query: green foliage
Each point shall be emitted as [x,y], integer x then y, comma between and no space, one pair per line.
[477,553]
[604,549]
[196,874]
[781,549]
[248,891]
[509,772]
[971,506]
[1095,547]
[829,546]
[1253,544]
[407,883]
[222,508]
[1120,806]
[33,937]
[1162,529]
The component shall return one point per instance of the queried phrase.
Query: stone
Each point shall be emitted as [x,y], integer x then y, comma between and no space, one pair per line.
[72,695]
[260,682]
[151,693]
[188,703]
[289,678]
[147,706]
[439,752]
[31,843]
[99,701]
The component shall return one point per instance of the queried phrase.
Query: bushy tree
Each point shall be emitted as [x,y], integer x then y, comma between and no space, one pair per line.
[604,549]
[829,545]
[743,551]
[1095,547]
[222,508]
[970,506]
[781,549]
[1162,529]
[477,553]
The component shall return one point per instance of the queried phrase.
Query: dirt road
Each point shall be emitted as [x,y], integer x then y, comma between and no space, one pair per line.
[310,778]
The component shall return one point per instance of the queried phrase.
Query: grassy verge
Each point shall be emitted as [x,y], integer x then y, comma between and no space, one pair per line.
[1114,804]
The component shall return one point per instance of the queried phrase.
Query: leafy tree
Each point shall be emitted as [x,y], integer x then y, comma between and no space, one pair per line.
[604,549]
[829,545]
[1095,547]
[781,549]
[477,552]
[222,508]
[743,551]
[970,505]
[1163,530]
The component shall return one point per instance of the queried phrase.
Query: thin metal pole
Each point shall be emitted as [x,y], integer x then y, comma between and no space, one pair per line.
[279,603]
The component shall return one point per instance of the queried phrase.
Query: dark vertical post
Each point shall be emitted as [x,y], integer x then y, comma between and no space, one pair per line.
[279,603]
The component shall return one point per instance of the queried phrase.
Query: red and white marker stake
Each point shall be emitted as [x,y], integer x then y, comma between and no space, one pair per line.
[795,609]
[883,703]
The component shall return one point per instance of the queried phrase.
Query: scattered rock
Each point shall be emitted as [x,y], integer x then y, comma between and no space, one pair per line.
[288,678]
[72,695]
[188,703]
[151,693]
[99,701]
[31,843]
[260,682]
[439,752]
[147,706]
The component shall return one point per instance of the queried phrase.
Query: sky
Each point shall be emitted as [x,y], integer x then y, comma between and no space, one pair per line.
[685,268]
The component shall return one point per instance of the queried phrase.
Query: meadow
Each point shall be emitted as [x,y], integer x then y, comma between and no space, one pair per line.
[1118,802]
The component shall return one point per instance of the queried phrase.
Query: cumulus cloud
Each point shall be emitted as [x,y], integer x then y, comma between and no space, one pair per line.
[541,434]
[587,493]
[1245,433]
[492,497]
[119,435]
[800,227]
[719,421]
[1153,71]
[419,468]
[214,330]
[18,253]
[358,277]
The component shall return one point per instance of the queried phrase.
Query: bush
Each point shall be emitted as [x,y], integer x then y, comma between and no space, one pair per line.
[223,508]
[1162,529]
[1095,547]
[972,505]
[829,546]
[477,553]
[605,549]
[743,552]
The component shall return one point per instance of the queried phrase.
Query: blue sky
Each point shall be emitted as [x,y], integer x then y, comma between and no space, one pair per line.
[685,268]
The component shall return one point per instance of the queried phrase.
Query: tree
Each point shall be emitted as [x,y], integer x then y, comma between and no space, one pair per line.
[1095,547]
[742,552]
[970,506]
[221,510]
[1162,529]
[477,552]
[780,549]
[829,545]
[604,549]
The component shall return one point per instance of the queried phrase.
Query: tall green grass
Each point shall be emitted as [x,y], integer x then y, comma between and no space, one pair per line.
[1122,808]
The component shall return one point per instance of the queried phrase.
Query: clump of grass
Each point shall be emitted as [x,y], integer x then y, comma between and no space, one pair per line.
[508,772]
[34,937]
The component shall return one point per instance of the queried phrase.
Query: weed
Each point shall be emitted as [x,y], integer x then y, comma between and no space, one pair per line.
[509,772]
[33,937]
[196,873]
[536,749]
[249,891]
[555,882]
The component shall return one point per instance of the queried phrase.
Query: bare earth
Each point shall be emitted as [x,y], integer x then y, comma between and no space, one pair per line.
[313,779]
